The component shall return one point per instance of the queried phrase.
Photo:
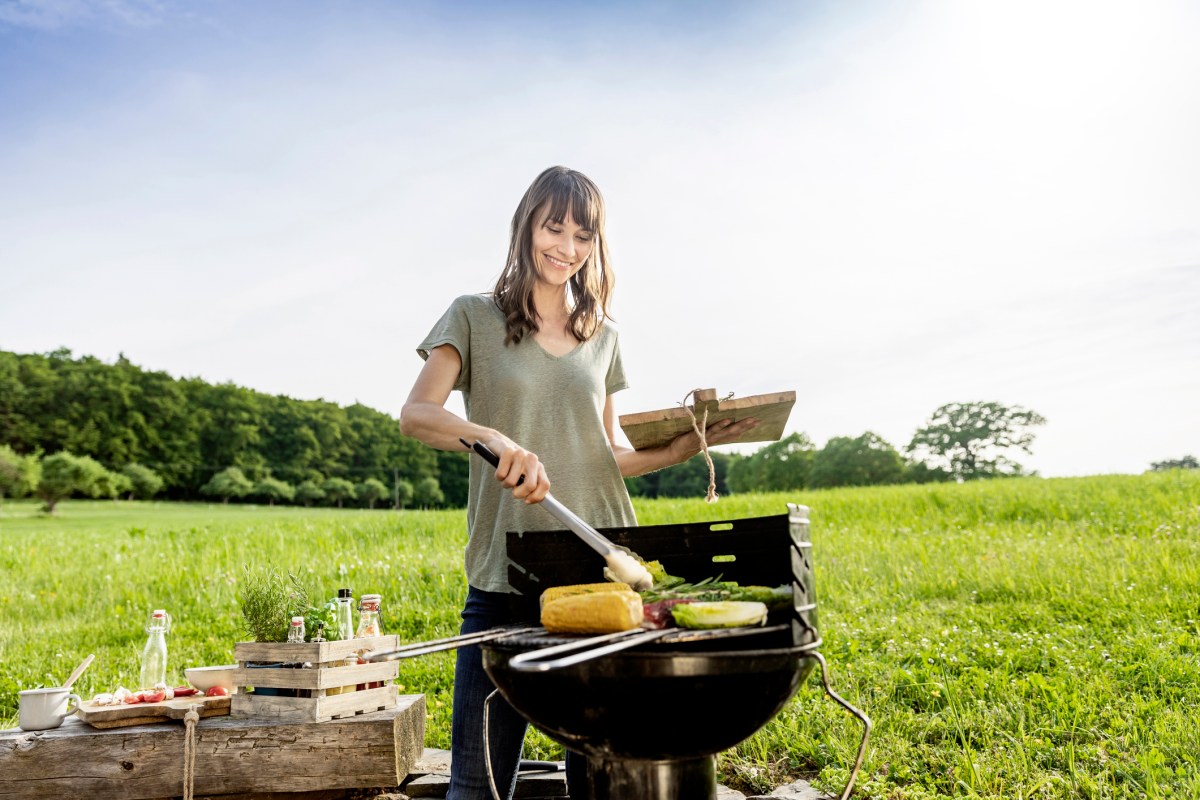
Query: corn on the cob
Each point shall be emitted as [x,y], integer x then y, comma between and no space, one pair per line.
[602,612]
[555,592]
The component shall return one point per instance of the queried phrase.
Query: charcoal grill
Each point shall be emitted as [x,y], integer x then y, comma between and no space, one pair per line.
[650,711]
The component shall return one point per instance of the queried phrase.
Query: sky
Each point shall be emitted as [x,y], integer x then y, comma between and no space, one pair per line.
[884,207]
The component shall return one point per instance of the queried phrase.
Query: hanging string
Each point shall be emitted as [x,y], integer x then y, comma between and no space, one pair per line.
[189,751]
[699,427]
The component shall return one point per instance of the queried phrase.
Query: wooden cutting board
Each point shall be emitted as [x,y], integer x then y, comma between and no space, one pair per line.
[657,428]
[145,713]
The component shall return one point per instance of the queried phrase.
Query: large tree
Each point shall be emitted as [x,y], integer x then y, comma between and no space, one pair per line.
[972,440]
[1187,462]
[65,474]
[144,482]
[229,482]
[274,489]
[370,491]
[427,493]
[338,489]
[19,475]
[778,467]
[864,460]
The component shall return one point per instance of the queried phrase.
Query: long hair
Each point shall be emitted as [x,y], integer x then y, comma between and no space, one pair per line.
[558,189]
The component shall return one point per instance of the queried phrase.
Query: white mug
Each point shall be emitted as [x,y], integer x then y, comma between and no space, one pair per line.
[43,709]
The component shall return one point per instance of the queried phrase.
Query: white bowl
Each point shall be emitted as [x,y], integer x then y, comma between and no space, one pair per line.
[204,678]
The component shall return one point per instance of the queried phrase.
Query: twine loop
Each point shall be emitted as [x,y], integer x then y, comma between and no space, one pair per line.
[189,752]
[699,427]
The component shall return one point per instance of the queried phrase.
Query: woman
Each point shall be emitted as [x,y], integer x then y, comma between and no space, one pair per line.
[537,362]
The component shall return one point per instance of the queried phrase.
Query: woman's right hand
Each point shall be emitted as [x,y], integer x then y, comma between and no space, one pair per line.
[516,461]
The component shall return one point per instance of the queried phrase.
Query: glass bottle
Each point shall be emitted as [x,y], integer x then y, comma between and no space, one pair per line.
[368,628]
[368,617]
[296,636]
[345,621]
[154,654]
[345,614]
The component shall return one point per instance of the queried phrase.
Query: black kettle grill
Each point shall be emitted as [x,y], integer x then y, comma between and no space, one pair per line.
[651,717]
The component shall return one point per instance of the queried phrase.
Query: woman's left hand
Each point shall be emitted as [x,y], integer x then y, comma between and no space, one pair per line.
[720,432]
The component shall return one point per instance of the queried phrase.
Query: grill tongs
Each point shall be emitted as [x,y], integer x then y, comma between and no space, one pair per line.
[623,565]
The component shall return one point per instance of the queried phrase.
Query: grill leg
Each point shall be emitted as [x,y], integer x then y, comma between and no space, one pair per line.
[623,779]
[863,718]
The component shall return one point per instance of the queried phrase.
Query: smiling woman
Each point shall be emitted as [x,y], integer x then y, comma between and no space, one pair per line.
[537,362]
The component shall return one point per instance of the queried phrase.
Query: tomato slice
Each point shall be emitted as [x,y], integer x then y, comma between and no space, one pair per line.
[217,691]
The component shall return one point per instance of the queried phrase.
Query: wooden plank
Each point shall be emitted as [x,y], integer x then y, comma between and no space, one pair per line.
[149,713]
[315,652]
[232,755]
[657,428]
[314,709]
[316,677]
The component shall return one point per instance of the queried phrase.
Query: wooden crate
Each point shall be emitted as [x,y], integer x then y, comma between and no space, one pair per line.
[323,670]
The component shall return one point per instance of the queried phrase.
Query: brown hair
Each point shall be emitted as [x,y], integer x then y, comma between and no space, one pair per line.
[558,189]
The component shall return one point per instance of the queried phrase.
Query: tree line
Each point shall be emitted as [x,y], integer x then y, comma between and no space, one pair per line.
[76,425]
[207,440]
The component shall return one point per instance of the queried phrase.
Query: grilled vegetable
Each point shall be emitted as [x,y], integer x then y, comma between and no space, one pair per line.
[555,592]
[714,590]
[596,612]
[725,614]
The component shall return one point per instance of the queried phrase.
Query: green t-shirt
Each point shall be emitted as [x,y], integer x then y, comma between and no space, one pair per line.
[552,406]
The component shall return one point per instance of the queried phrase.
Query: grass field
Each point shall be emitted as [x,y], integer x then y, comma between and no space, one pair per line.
[1011,639]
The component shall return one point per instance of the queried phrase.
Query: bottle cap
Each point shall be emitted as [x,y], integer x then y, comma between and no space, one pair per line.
[297,621]
[375,597]
[345,593]
[158,612]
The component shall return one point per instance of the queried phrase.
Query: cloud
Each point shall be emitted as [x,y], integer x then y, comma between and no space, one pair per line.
[48,15]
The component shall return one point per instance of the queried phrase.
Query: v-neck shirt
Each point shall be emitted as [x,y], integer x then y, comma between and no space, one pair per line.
[550,405]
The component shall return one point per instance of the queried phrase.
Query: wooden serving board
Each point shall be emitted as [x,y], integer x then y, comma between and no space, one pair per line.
[144,713]
[658,428]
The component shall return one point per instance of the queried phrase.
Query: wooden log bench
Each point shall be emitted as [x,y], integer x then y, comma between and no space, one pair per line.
[235,757]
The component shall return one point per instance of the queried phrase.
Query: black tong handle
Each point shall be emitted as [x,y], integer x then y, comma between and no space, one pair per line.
[488,456]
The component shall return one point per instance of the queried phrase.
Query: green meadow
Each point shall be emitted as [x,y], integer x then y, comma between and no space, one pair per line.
[1022,638]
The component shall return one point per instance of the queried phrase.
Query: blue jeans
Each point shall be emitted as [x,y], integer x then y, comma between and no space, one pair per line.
[468,771]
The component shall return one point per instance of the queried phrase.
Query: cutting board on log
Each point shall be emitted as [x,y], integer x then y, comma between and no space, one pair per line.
[143,713]
[657,428]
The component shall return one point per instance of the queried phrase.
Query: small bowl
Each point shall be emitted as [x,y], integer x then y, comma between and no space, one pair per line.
[205,678]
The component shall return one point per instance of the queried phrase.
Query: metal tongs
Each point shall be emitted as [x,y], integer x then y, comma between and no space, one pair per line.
[617,559]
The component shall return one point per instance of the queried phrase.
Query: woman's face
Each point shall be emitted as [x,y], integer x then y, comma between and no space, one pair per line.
[559,248]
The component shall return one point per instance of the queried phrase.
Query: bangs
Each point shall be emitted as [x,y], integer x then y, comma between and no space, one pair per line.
[580,199]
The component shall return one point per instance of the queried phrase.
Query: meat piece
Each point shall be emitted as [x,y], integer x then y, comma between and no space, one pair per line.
[657,615]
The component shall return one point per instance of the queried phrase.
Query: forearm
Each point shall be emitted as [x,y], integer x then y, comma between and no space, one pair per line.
[638,462]
[433,425]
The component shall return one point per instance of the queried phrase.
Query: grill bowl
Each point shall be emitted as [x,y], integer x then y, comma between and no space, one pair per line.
[650,705]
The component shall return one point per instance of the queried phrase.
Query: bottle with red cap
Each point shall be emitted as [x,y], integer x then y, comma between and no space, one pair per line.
[368,628]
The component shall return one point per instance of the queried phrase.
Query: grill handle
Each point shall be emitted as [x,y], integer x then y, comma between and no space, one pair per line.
[449,643]
[582,650]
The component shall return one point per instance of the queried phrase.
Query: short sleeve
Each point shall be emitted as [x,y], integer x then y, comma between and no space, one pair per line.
[454,329]
[615,381]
